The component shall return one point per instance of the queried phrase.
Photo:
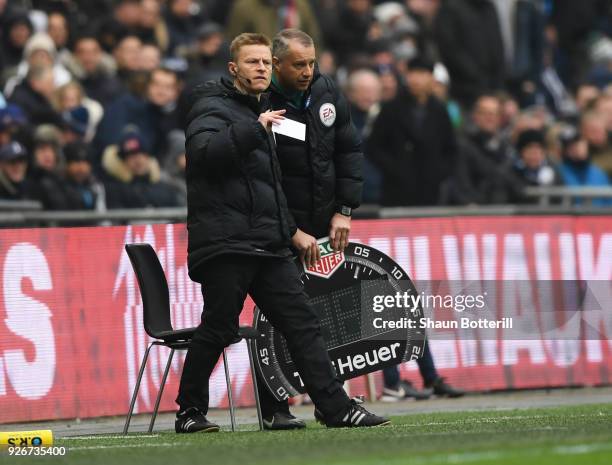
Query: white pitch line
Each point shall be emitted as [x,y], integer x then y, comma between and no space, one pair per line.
[124,446]
[581,448]
[88,438]
[452,433]
[497,419]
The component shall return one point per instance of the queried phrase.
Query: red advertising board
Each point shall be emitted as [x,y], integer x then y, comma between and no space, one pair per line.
[71,334]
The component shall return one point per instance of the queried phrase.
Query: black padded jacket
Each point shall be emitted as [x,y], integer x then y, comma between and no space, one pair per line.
[325,171]
[235,200]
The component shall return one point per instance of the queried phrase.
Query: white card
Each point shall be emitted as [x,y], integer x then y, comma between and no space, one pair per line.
[290,128]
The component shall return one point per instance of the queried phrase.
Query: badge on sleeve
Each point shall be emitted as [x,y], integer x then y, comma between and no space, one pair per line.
[327,113]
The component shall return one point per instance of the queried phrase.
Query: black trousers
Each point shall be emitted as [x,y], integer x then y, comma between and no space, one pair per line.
[274,285]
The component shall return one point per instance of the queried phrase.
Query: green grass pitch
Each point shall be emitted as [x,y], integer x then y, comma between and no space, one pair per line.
[563,435]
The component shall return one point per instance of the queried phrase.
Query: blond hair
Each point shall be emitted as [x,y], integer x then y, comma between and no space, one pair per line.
[248,38]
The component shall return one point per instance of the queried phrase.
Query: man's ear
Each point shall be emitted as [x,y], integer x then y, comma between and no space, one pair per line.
[231,66]
[275,63]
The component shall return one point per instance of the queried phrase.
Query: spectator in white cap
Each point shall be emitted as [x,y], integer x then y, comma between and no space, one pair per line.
[39,51]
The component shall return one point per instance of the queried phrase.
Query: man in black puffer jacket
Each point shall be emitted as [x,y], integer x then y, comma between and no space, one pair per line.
[239,237]
[322,175]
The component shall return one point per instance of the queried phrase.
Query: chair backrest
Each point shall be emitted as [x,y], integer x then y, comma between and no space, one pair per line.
[153,288]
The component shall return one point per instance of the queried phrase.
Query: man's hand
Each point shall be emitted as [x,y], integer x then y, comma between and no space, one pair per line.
[339,229]
[307,246]
[270,117]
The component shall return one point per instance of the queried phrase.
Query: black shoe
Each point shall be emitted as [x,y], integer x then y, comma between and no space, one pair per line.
[354,416]
[282,420]
[193,420]
[440,388]
[403,390]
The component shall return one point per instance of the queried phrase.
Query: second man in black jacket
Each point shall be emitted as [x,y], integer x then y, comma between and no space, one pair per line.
[322,175]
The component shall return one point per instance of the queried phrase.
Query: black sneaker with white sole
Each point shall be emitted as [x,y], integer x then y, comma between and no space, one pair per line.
[402,391]
[283,421]
[354,416]
[192,420]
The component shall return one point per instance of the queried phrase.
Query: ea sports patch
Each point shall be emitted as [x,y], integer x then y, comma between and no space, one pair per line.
[327,113]
[330,260]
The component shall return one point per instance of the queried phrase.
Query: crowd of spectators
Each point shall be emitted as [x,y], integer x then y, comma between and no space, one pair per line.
[458,101]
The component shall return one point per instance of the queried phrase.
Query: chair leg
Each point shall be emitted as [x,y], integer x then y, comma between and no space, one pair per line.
[161,390]
[255,387]
[229,391]
[136,388]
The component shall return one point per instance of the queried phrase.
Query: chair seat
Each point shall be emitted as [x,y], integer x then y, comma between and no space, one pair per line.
[176,335]
[244,332]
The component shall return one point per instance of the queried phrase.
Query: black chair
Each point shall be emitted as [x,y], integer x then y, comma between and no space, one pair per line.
[156,309]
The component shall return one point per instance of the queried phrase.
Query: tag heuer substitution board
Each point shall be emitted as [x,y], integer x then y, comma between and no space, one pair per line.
[342,288]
